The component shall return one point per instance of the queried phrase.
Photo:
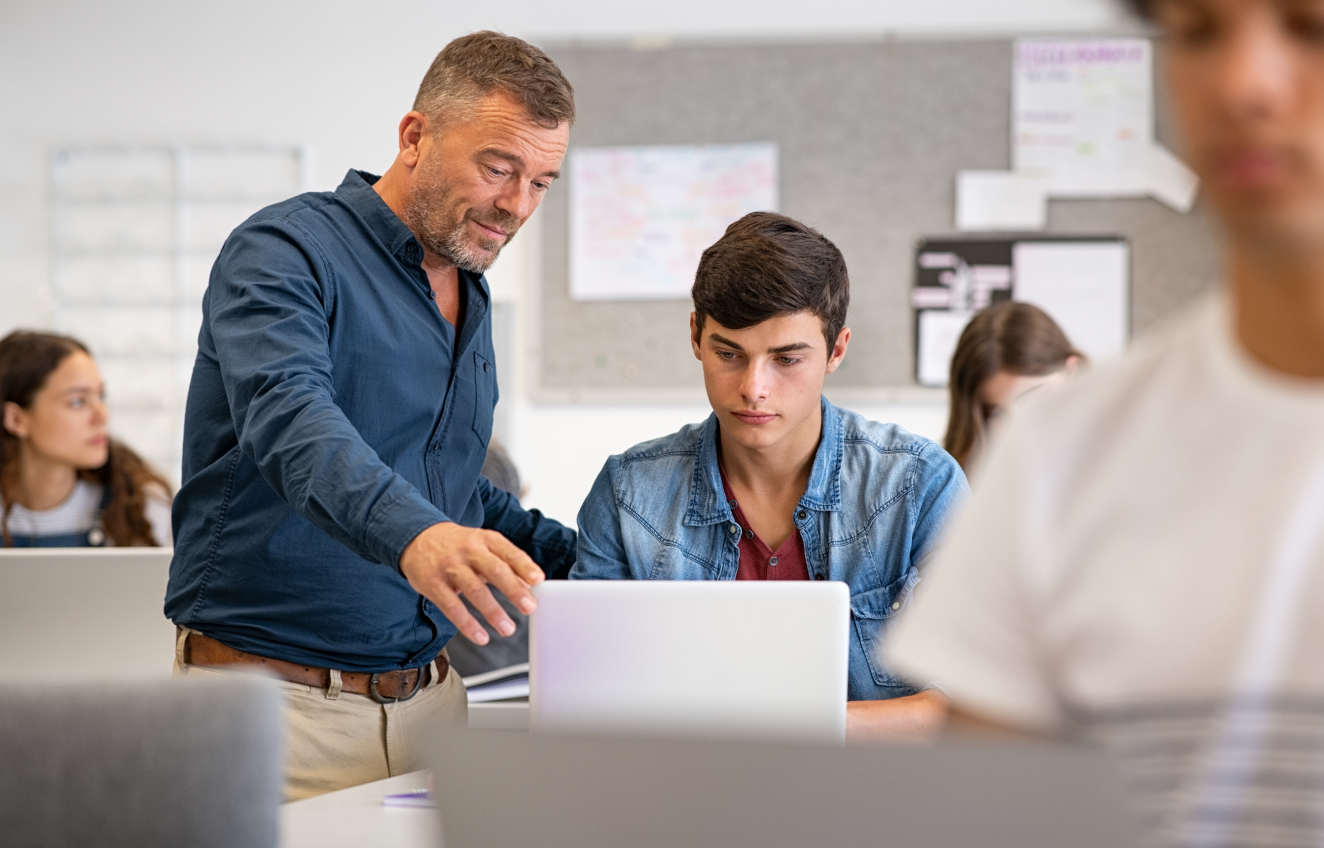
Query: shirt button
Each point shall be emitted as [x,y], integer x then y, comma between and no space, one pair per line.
[735,528]
[772,561]
[731,503]
[749,534]
[432,295]
[484,366]
[802,515]
[896,606]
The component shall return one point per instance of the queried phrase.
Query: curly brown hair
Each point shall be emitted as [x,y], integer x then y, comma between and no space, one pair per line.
[27,359]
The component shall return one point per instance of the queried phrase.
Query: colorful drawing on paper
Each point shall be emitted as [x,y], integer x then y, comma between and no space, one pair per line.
[640,217]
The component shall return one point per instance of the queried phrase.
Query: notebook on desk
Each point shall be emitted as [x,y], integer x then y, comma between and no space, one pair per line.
[691,658]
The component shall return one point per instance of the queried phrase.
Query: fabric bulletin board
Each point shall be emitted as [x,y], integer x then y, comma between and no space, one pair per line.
[869,137]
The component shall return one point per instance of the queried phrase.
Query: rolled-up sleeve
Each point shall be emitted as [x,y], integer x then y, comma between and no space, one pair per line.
[272,296]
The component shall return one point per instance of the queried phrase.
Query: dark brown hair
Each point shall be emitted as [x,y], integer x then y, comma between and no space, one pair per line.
[1008,336]
[26,361]
[766,265]
[1142,8]
[473,66]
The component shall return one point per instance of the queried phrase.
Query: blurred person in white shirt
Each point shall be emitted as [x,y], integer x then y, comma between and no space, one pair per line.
[64,482]
[1141,562]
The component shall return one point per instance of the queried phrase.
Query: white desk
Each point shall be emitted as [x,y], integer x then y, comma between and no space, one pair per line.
[499,715]
[356,817]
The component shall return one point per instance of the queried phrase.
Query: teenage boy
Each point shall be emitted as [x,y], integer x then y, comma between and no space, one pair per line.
[1143,559]
[779,484]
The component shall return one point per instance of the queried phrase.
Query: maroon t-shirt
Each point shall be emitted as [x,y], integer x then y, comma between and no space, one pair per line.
[757,561]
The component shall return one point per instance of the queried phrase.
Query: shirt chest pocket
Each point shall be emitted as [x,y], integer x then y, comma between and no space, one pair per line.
[484,397]
[869,612]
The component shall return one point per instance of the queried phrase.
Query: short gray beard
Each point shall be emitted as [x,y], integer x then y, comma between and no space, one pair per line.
[449,244]
[454,249]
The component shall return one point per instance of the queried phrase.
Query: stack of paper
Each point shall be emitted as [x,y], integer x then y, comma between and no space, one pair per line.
[500,685]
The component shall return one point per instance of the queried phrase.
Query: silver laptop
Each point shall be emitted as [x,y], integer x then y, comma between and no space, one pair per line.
[706,658]
[499,788]
[79,613]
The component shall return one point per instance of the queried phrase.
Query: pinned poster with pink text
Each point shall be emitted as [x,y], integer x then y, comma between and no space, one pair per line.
[1083,116]
[640,217]
[1082,126]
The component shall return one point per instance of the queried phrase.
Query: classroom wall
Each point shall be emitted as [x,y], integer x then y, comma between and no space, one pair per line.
[333,78]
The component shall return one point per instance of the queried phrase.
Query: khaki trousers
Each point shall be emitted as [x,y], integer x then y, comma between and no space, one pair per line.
[336,739]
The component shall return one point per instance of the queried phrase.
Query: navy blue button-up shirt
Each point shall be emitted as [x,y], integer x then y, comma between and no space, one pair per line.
[333,415]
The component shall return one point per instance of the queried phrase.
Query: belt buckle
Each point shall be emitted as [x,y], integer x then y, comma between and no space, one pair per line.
[377,696]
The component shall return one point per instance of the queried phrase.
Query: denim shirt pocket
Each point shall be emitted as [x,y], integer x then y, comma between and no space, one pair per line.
[484,394]
[870,611]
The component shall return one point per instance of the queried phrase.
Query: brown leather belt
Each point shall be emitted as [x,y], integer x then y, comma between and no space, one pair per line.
[385,687]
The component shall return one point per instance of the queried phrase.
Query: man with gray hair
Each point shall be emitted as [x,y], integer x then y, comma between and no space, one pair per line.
[332,510]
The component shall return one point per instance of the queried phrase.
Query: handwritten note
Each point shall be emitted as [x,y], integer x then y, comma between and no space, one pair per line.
[640,217]
[1082,126]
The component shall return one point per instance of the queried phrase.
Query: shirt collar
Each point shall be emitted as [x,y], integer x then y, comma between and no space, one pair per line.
[357,191]
[708,504]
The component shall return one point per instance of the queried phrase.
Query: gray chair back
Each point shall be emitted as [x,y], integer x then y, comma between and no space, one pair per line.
[184,764]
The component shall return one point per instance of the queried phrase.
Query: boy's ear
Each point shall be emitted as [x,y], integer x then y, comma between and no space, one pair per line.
[838,351]
[694,335]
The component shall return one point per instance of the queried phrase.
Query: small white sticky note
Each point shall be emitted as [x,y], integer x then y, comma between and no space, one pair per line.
[1001,200]
[1169,179]
[939,331]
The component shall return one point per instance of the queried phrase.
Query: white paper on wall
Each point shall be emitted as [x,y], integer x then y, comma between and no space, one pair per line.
[1084,284]
[1084,287]
[640,217]
[1082,114]
[939,331]
[1001,200]
[1082,126]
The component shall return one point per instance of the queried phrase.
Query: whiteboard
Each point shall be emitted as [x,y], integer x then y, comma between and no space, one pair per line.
[641,216]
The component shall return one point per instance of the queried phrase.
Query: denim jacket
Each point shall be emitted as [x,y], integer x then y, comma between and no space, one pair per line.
[877,500]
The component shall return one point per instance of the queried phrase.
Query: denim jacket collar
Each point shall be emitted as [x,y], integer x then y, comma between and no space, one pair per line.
[823,493]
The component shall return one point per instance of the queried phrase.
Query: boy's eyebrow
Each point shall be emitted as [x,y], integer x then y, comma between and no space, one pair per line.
[787,348]
[720,339]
